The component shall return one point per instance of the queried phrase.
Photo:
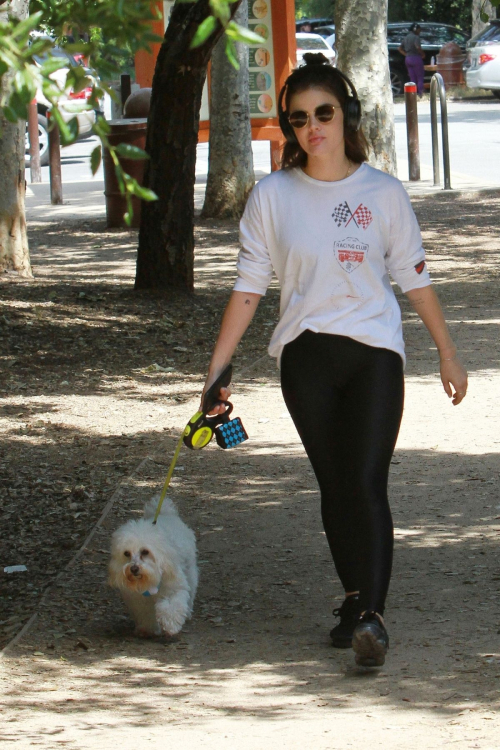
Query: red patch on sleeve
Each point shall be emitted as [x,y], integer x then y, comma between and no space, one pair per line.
[420,267]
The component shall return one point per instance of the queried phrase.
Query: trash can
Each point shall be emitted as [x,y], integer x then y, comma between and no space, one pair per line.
[449,64]
[133,133]
[138,104]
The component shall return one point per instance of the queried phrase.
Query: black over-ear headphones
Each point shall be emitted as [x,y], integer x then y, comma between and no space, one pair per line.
[352,109]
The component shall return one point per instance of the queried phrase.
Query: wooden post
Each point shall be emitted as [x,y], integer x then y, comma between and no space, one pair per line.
[412,131]
[125,88]
[55,164]
[35,168]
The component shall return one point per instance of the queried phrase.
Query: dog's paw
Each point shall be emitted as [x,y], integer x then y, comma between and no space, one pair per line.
[171,625]
[143,633]
[172,613]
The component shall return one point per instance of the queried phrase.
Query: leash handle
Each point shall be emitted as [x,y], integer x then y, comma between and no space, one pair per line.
[211,396]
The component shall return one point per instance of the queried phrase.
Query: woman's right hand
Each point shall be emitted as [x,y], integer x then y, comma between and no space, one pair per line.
[224,394]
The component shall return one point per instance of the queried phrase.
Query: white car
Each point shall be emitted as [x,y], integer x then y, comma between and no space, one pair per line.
[482,68]
[313,43]
[328,33]
[85,118]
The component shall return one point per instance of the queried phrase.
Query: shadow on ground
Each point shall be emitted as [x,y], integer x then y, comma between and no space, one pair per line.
[263,610]
[79,334]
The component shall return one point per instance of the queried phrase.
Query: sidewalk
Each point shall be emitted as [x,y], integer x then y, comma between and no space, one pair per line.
[85,198]
[254,668]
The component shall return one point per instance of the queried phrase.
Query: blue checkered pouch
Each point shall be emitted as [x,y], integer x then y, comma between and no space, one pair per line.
[231,433]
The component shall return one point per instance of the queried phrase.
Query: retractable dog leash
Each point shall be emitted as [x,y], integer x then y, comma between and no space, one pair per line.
[201,428]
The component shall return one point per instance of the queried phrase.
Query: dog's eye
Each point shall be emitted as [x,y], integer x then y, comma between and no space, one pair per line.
[144,552]
[126,553]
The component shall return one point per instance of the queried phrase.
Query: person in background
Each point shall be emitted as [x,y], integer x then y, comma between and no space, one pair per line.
[306,28]
[414,56]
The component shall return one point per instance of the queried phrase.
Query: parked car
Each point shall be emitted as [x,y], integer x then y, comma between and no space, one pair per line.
[313,43]
[313,23]
[482,66]
[327,32]
[432,38]
[85,119]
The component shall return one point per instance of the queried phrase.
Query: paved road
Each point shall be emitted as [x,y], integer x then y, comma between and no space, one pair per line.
[474,151]
[474,134]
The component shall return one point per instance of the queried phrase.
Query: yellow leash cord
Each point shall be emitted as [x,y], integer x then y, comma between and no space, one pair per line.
[169,477]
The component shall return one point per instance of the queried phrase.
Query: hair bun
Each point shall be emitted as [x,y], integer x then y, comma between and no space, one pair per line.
[315,58]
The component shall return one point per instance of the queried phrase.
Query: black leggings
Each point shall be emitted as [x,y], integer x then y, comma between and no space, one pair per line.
[346,400]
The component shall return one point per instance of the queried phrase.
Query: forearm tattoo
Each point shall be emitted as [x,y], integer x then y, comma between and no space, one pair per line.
[417,301]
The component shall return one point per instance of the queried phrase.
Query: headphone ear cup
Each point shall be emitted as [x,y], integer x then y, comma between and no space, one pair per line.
[285,126]
[352,113]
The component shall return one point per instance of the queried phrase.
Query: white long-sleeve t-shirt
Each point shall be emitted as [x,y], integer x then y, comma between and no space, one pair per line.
[332,246]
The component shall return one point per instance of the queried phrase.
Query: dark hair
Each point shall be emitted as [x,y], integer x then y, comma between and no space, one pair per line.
[317,73]
[415,26]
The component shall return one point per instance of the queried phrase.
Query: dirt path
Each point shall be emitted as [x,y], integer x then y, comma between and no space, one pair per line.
[89,423]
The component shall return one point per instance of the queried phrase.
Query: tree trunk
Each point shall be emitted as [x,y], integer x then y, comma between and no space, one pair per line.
[166,240]
[361,29]
[14,252]
[477,7]
[230,166]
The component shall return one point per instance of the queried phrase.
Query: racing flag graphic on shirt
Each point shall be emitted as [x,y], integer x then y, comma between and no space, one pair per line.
[343,215]
[362,216]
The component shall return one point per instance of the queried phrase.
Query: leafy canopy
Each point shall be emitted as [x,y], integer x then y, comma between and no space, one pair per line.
[103,30]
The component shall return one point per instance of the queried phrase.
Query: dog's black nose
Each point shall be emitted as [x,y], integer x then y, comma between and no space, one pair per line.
[134,569]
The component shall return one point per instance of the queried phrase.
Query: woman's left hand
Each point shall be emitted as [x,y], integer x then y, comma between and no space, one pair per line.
[454,374]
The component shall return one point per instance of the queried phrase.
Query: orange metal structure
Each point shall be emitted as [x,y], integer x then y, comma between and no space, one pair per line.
[284,59]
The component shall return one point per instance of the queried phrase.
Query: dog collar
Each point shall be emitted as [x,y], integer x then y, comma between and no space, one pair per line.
[151,592]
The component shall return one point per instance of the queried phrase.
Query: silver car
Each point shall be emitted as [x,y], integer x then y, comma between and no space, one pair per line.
[313,43]
[482,67]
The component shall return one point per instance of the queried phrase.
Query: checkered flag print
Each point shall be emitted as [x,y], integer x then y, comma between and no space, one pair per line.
[362,216]
[341,214]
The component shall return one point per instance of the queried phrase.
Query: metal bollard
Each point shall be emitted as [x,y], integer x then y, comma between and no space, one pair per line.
[412,131]
[437,86]
[56,197]
[35,168]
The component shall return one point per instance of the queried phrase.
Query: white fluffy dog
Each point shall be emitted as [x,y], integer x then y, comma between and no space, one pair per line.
[154,567]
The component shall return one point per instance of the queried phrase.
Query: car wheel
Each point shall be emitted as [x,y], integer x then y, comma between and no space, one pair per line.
[397,83]
[43,137]
[496,92]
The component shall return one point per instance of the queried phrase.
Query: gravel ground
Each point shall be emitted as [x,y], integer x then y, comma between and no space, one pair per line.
[97,383]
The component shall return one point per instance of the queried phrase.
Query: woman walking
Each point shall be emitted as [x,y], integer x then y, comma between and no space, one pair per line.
[332,228]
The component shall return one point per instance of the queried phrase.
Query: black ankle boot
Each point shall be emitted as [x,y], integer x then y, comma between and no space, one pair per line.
[349,613]
[370,641]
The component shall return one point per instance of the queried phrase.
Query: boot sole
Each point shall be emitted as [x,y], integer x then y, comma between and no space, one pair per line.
[369,650]
[347,643]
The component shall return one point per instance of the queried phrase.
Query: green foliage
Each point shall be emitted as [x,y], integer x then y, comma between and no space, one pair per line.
[233,31]
[95,159]
[111,26]
[120,23]
[455,12]
[314,9]
[106,32]
[127,151]
[205,29]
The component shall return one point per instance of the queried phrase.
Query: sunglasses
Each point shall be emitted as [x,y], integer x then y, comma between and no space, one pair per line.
[323,113]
